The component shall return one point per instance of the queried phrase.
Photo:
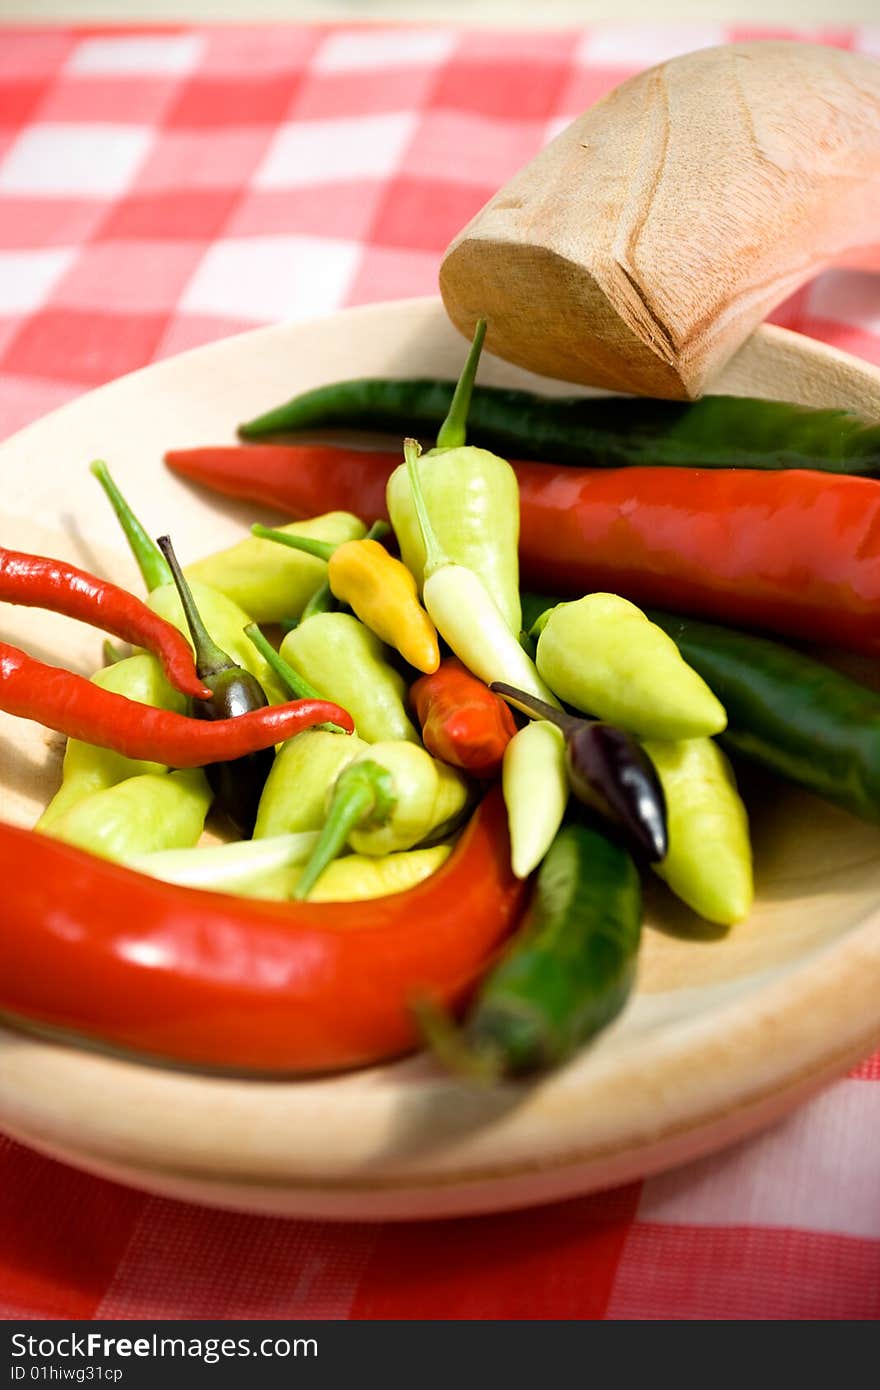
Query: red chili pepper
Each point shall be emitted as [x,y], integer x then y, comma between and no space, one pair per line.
[462,722]
[76,707]
[96,950]
[293,478]
[796,552]
[37,581]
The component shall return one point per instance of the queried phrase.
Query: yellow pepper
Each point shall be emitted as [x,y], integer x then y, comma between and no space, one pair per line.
[380,590]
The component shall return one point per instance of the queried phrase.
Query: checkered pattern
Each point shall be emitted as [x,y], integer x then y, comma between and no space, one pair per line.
[158,190]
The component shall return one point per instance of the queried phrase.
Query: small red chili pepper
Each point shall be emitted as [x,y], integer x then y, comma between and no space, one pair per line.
[796,552]
[463,723]
[36,581]
[76,707]
[206,979]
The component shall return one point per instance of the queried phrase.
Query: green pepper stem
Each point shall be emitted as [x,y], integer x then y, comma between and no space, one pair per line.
[292,681]
[111,653]
[210,659]
[363,795]
[435,559]
[322,601]
[152,566]
[453,432]
[322,550]
[537,709]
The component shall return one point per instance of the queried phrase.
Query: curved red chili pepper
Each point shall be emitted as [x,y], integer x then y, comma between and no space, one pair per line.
[74,706]
[795,551]
[462,722]
[91,948]
[38,581]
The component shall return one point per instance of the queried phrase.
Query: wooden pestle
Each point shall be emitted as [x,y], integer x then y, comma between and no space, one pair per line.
[643,246]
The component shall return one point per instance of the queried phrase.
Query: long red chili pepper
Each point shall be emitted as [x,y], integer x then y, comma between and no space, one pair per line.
[74,706]
[462,722]
[796,552]
[91,948]
[38,581]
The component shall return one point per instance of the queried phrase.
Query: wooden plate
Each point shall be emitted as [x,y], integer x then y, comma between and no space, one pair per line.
[725,1031]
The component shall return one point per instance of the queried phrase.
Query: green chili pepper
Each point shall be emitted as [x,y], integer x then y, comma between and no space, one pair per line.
[389,798]
[535,784]
[305,768]
[709,860]
[566,975]
[463,610]
[88,768]
[145,813]
[789,713]
[345,661]
[221,615]
[472,497]
[271,583]
[603,655]
[714,432]
[238,783]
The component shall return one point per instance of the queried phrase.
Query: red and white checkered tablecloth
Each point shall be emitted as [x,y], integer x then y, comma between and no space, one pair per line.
[162,188]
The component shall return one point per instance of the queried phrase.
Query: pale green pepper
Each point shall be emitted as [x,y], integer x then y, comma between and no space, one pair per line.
[268,869]
[535,786]
[270,582]
[605,657]
[151,812]
[390,798]
[472,497]
[295,795]
[709,861]
[242,866]
[222,616]
[345,662]
[88,768]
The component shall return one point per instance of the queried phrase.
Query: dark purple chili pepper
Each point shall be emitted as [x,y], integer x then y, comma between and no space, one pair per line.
[608,770]
[237,784]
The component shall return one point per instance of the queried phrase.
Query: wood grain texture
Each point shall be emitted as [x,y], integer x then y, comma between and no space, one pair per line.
[643,245]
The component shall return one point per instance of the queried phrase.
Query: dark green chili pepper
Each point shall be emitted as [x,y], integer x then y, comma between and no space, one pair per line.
[607,432]
[566,975]
[607,770]
[237,784]
[789,713]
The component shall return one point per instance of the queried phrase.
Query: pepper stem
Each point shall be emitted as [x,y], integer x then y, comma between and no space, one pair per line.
[153,568]
[435,559]
[210,659]
[292,681]
[537,709]
[322,550]
[363,795]
[453,432]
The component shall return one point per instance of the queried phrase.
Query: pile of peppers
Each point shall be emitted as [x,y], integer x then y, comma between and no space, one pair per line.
[438,792]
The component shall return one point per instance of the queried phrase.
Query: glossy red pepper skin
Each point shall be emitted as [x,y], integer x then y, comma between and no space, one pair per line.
[74,706]
[37,581]
[209,980]
[296,478]
[795,552]
[462,722]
